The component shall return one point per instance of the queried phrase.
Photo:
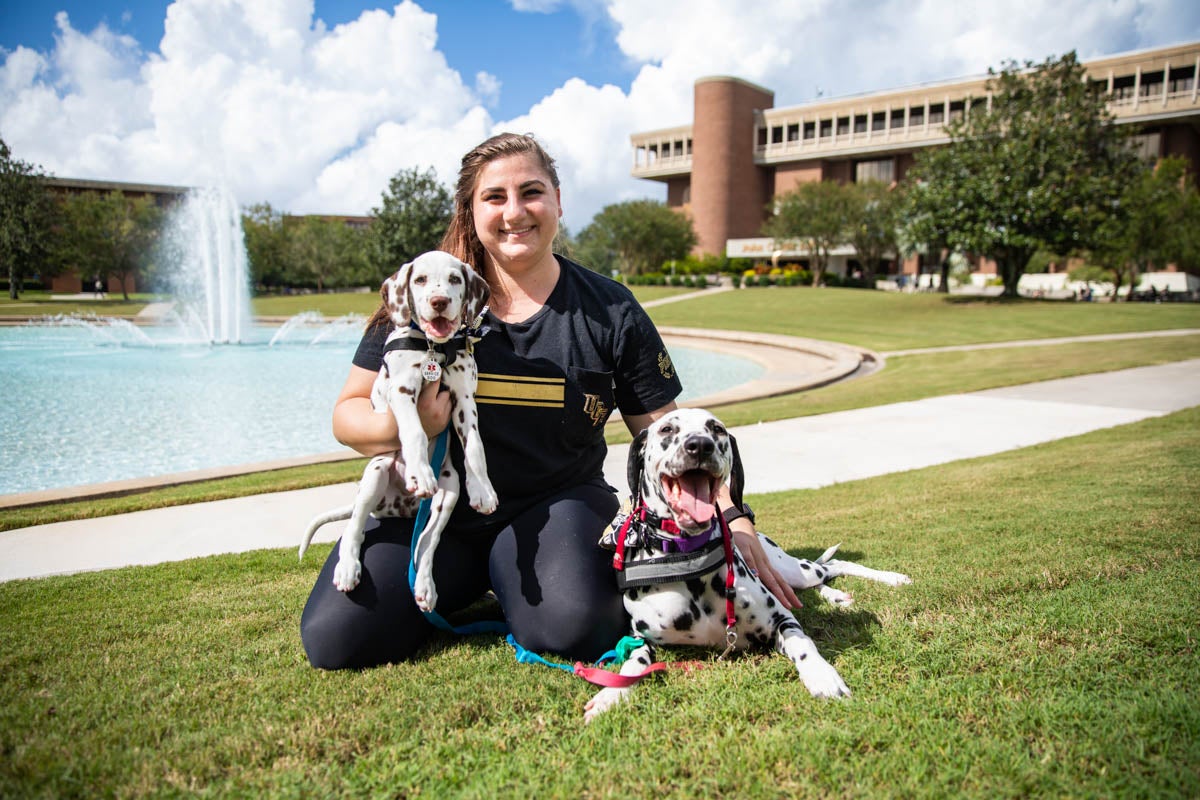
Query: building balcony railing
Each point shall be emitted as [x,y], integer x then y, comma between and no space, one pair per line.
[1140,87]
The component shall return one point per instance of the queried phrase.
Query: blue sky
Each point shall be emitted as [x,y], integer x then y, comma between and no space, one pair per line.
[582,45]
[313,107]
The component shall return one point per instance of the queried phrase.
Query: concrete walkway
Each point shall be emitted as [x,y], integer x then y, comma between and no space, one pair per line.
[806,452]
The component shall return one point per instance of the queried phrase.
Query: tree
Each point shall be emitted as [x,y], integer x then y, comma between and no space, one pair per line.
[635,237]
[1151,225]
[815,214]
[325,252]
[416,211]
[266,244]
[927,226]
[26,217]
[110,235]
[871,224]
[1040,169]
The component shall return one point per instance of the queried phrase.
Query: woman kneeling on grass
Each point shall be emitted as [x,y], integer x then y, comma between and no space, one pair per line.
[564,346]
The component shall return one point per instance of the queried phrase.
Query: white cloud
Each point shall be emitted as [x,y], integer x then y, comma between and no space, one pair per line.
[267,97]
[258,95]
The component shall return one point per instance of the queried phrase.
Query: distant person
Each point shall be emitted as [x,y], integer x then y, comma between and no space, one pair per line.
[98,288]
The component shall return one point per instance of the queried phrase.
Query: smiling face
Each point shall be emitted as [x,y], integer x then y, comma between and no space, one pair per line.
[516,210]
[683,459]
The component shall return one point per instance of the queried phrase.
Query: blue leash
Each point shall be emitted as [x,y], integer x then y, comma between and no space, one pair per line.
[485,626]
[523,656]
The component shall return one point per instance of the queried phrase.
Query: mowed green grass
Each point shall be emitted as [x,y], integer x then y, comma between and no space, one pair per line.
[886,321]
[1047,647]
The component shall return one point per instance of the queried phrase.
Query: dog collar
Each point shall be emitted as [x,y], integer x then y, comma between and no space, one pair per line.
[448,350]
[674,541]
[465,339]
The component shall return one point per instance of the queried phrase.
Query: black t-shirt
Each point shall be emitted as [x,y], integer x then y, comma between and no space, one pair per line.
[547,386]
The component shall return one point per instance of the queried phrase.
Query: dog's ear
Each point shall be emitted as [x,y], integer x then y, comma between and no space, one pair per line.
[477,294]
[737,477]
[396,298]
[634,464]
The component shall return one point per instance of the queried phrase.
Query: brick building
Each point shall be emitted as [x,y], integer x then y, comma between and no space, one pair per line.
[740,151]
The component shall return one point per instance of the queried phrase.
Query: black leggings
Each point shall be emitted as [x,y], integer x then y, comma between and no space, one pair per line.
[554,583]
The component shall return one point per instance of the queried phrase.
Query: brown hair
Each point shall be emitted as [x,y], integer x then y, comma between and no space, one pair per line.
[461,240]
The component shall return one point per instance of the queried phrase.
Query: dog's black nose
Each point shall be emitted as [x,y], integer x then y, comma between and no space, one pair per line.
[698,446]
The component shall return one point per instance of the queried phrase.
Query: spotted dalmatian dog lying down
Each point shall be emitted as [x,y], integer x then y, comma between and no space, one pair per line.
[675,558]
[431,302]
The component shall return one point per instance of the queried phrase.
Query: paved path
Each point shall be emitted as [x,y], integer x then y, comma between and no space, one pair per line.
[806,452]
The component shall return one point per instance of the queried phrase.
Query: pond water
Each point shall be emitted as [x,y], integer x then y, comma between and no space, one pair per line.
[89,401]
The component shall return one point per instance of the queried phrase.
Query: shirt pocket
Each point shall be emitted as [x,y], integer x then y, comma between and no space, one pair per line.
[589,402]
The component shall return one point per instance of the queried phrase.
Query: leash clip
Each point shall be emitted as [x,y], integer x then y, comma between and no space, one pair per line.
[730,640]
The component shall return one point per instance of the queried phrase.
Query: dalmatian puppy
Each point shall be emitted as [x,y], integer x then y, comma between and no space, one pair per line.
[430,301]
[675,563]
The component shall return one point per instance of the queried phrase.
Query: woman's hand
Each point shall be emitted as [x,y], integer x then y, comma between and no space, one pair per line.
[433,407]
[756,559]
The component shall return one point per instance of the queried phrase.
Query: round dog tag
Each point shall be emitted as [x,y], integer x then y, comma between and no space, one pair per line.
[431,370]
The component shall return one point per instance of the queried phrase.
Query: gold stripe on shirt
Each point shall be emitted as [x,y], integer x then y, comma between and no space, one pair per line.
[520,391]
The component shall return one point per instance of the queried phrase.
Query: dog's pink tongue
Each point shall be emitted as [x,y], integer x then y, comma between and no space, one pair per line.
[695,497]
[440,327]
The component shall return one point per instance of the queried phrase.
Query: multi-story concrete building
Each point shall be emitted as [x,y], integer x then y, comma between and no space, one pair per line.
[739,151]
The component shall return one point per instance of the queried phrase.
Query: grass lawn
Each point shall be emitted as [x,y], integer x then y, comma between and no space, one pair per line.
[1046,648]
[39,303]
[884,321]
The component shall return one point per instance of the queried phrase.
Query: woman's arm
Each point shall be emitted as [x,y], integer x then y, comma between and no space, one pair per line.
[753,554]
[636,423]
[357,425]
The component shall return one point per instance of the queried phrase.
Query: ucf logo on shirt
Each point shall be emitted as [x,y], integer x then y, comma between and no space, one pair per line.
[594,407]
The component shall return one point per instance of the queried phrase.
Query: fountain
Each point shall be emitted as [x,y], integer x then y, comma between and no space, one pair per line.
[162,399]
[205,266]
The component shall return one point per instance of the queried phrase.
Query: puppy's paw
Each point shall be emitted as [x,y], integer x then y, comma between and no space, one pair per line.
[836,596]
[419,479]
[895,578]
[603,701]
[483,497]
[347,574]
[425,592]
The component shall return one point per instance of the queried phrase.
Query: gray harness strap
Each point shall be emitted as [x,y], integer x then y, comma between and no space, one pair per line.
[669,568]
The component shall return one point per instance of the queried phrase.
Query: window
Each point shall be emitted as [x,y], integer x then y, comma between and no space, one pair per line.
[1152,84]
[898,118]
[762,137]
[1182,79]
[793,132]
[883,170]
[1148,146]
[777,134]
[956,110]
[843,126]
[860,123]
[810,130]
[937,114]
[916,116]
[826,128]
[1123,88]
[878,121]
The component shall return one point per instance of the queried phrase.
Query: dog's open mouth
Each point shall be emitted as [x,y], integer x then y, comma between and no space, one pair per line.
[692,497]
[439,327]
